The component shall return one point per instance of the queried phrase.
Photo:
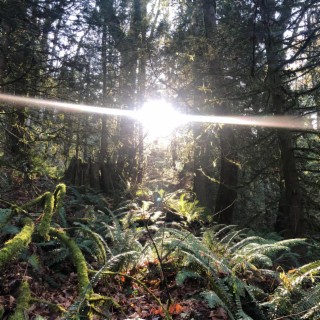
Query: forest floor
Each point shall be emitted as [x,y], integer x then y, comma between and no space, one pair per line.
[143,260]
[54,288]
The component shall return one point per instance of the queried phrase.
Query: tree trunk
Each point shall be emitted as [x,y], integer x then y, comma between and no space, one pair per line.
[290,216]
[104,130]
[227,193]
[142,87]
[202,185]
[127,44]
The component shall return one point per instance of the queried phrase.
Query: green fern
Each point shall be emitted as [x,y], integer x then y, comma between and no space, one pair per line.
[57,256]
[214,301]
[34,262]
[10,229]
[183,275]
[5,216]
[253,239]
[63,217]
[100,244]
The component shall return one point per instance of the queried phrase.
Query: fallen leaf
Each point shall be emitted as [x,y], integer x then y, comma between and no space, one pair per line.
[157,311]
[176,308]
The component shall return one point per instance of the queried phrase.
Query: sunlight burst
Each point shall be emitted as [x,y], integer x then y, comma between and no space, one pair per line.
[159,118]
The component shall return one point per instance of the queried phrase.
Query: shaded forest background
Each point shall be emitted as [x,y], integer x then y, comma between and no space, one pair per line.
[205,57]
[202,213]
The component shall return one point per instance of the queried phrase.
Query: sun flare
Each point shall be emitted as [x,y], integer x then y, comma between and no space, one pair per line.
[159,118]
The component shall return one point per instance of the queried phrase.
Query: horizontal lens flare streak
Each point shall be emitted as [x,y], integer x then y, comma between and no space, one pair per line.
[41,103]
[288,122]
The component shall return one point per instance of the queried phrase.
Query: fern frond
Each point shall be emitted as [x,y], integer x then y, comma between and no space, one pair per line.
[196,250]
[34,261]
[310,300]
[260,261]
[5,216]
[313,267]
[253,239]
[291,242]
[232,236]
[10,229]
[98,240]
[271,250]
[113,264]
[313,313]
[56,256]
[228,228]
[63,217]
[183,275]
[214,301]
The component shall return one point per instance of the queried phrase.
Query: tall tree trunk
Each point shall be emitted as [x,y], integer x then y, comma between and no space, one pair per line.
[127,44]
[290,216]
[203,168]
[142,86]
[226,195]
[104,130]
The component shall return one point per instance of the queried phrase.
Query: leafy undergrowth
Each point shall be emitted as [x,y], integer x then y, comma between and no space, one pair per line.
[80,256]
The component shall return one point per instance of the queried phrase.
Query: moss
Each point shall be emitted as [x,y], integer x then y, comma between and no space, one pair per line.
[15,245]
[52,306]
[59,194]
[23,302]
[78,260]
[45,223]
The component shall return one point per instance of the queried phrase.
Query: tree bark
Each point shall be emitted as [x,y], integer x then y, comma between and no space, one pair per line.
[227,194]
[127,44]
[104,130]
[290,216]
